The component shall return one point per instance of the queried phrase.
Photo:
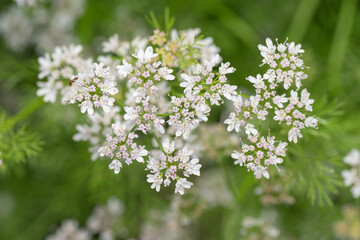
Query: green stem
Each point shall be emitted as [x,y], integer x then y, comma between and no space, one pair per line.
[244,95]
[163,115]
[132,130]
[24,113]
[228,179]
[157,140]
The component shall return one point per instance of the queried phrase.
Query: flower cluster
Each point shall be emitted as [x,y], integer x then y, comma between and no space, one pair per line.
[167,166]
[25,2]
[69,230]
[121,146]
[279,97]
[159,89]
[212,190]
[40,23]
[104,217]
[92,88]
[143,79]
[203,88]
[96,131]
[348,226]
[168,224]
[59,68]
[276,191]
[258,228]
[352,176]
[100,224]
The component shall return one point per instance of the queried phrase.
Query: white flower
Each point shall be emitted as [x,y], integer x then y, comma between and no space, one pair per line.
[181,184]
[281,47]
[145,56]
[100,71]
[119,129]
[295,49]
[46,66]
[294,133]
[233,122]
[250,129]
[353,157]
[185,153]
[183,129]
[108,87]
[306,100]
[268,49]
[280,150]
[254,101]
[225,69]
[139,153]
[112,44]
[125,69]
[280,115]
[270,75]
[349,176]
[69,230]
[156,181]
[131,113]
[116,165]
[49,89]
[193,167]
[85,132]
[311,122]
[240,157]
[237,102]
[279,100]
[258,81]
[260,171]
[165,73]
[274,160]
[189,82]
[229,91]
[26,2]
[261,114]
[293,97]
[107,103]
[169,146]
[87,105]
[352,176]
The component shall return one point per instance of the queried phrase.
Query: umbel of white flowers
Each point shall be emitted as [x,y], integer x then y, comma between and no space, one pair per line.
[352,176]
[164,87]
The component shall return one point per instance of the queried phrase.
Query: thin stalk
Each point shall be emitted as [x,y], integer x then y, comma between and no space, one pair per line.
[24,113]
[157,140]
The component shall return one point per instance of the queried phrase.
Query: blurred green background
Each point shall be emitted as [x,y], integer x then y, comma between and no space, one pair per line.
[40,190]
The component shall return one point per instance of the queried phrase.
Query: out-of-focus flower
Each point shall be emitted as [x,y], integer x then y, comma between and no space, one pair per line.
[45,25]
[348,227]
[69,230]
[262,227]
[102,223]
[25,2]
[276,191]
[352,176]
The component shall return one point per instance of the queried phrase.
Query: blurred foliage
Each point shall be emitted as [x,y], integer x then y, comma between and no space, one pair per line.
[61,182]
